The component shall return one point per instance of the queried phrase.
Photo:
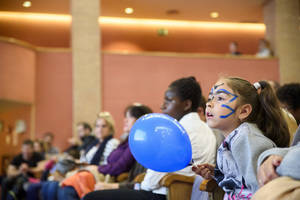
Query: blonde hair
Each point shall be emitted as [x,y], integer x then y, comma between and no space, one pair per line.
[109,120]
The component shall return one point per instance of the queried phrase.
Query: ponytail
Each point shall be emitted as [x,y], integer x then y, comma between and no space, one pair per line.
[269,118]
[266,112]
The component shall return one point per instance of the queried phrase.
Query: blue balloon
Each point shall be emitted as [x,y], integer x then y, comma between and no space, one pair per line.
[159,142]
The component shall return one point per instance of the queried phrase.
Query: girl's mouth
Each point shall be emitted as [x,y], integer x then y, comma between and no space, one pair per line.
[209,115]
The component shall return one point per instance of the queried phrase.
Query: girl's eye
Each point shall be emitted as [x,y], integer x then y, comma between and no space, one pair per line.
[210,98]
[167,100]
[220,98]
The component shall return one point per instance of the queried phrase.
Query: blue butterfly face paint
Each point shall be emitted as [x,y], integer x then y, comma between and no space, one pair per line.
[232,111]
[214,94]
[225,105]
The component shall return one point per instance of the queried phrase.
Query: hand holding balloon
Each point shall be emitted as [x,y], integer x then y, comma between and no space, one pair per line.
[159,142]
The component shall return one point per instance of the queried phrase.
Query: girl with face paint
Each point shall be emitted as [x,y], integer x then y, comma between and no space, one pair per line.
[250,119]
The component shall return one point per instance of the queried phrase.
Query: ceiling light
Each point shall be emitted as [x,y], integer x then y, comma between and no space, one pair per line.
[138,22]
[27,4]
[129,11]
[214,14]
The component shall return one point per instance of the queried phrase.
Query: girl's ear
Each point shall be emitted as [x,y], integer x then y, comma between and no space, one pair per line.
[187,105]
[244,111]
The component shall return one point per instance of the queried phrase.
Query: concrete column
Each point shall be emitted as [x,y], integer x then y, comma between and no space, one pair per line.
[282,18]
[270,22]
[86,60]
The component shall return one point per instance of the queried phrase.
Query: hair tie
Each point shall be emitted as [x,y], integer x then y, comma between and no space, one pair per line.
[137,104]
[257,85]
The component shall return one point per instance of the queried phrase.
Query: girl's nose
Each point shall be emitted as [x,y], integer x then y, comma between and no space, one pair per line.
[209,104]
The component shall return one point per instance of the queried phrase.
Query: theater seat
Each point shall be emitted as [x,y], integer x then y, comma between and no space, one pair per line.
[211,186]
[179,186]
[122,177]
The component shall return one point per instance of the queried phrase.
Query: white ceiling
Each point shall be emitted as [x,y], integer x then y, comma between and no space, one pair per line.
[197,10]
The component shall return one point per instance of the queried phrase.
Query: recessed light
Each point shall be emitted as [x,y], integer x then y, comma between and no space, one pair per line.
[128,11]
[214,14]
[27,4]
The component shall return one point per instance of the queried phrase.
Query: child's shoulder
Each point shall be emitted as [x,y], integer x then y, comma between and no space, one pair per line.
[246,129]
[249,133]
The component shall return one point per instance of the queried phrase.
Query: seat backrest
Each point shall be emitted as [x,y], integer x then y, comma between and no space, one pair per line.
[179,186]
[5,161]
[214,191]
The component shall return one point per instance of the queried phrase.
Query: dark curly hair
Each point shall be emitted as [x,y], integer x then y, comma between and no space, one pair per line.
[188,88]
[290,95]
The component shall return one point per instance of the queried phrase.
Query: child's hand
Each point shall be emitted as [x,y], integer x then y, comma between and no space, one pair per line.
[24,168]
[204,170]
[267,170]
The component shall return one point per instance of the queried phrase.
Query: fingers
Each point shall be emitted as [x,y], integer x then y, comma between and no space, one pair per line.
[276,160]
[211,167]
[267,171]
[204,170]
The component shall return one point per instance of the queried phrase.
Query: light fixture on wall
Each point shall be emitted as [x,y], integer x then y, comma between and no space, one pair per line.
[214,15]
[128,11]
[137,22]
[26,4]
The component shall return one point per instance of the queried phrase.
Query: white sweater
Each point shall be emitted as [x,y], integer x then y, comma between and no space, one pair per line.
[111,145]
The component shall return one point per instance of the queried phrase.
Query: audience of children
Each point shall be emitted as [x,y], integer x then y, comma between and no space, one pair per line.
[181,102]
[247,115]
